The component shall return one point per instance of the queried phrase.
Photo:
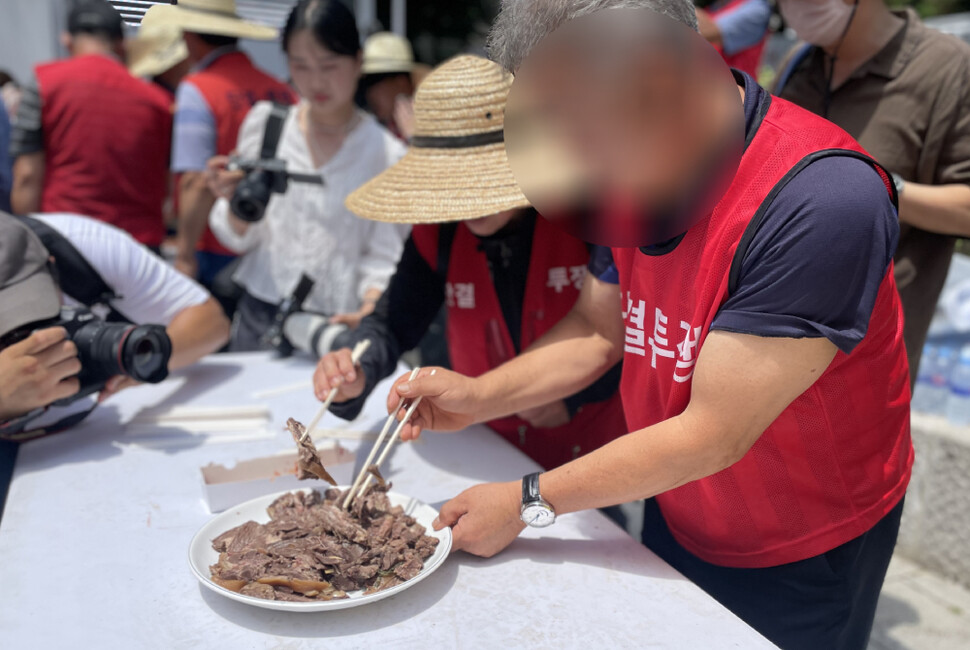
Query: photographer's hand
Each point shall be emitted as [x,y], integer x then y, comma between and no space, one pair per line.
[37,371]
[222,182]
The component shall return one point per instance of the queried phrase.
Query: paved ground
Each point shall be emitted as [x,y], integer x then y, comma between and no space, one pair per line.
[918,610]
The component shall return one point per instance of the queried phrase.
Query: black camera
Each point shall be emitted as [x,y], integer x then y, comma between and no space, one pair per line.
[263,179]
[105,350]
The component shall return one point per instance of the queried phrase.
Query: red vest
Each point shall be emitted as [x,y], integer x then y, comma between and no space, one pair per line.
[479,339]
[839,457]
[230,86]
[107,141]
[746,60]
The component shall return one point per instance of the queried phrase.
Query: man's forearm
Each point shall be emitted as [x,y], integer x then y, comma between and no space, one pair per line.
[639,465]
[570,357]
[28,183]
[195,203]
[196,332]
[943,209]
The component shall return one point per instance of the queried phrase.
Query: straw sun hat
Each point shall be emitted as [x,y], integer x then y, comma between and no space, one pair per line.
[456,168]
[158,46]
[386,52]
[216,17]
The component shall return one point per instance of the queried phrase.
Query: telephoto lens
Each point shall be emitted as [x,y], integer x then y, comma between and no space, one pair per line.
[106,350]
[252,196]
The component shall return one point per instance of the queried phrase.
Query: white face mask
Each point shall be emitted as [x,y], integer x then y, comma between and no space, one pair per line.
[819,22]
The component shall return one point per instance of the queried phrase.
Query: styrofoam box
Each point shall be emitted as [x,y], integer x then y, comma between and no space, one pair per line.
[224,487]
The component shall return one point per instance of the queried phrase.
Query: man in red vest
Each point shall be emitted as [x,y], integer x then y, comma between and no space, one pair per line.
[211,104]
[765,381]
[90,138]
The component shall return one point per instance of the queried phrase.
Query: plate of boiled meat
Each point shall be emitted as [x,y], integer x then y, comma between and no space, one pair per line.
[301,551]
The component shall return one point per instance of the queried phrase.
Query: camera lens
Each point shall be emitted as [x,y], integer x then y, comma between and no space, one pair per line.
[252,196]
[145,353]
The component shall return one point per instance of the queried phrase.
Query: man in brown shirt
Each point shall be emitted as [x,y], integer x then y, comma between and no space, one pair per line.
[903,91]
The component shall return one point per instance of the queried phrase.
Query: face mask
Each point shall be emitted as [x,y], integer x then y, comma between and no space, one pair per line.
[819,22]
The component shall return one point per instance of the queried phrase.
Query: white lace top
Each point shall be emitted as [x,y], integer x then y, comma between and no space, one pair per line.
[308,229]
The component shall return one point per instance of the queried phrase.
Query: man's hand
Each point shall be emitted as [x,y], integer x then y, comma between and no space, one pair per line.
[336,370]
[448,403]
[483,519]
[37,371]
[548,416]
[404,116]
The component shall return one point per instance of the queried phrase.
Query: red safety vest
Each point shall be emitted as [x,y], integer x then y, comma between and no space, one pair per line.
[749,59]
[107,140]
[839,457]
[230,86]
[479,339]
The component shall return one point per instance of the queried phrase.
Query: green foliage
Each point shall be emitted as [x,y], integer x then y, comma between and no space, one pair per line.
[936,7]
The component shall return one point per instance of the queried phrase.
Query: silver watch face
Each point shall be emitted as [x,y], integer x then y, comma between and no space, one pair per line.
[538,515]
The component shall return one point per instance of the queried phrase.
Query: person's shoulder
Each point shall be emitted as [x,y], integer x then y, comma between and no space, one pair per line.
[76,226]
[834,196]
[936,50]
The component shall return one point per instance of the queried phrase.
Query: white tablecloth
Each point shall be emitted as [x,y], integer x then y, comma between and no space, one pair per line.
[94,540]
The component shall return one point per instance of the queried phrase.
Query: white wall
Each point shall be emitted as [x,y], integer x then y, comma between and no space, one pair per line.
[28,34]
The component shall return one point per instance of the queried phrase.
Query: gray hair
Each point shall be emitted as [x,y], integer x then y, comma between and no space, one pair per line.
[521,24]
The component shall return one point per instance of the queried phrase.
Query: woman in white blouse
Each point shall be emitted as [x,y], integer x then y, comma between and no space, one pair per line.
[308,229]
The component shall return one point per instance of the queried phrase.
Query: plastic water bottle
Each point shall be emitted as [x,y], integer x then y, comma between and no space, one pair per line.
[938,389]
[921,396]
[958,403]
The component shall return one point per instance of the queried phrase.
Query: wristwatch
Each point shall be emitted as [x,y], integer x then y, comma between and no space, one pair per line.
[536,511]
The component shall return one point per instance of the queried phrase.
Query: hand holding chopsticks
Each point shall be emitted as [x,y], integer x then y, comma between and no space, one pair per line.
[355,357]
[364,477]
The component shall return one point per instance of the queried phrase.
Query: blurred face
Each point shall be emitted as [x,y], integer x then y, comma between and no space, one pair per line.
[491,224]
[623,117]
[381,97]
[325,79]
[819,22]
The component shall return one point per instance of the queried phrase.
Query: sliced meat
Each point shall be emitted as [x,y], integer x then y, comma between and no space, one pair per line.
[308,459]
[312,549]
[259,591]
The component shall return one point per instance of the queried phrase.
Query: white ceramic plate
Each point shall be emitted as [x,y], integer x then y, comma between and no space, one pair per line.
[202,555]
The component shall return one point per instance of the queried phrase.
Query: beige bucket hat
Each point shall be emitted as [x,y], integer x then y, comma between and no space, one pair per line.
[217,17]
[456,168]
[386,52]
[158,46]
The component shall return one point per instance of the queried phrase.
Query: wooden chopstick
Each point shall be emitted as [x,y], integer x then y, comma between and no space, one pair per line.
[355,356]
[365,477]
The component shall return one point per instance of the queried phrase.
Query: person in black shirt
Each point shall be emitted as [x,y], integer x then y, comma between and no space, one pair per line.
[505,275]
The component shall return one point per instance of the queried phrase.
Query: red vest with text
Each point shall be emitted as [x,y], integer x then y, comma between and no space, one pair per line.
[748,59]
[479,340]
[230,86]
[839,457]
[107,141]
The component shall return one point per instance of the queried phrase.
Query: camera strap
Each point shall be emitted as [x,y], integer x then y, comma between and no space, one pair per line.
[75,275]
[18,429]
[273,131]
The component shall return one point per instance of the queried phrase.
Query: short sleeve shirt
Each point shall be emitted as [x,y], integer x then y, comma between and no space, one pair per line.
[814,267]
[909,107]
[149,290]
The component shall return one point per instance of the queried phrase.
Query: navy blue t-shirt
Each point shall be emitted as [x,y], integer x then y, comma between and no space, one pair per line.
[814,267]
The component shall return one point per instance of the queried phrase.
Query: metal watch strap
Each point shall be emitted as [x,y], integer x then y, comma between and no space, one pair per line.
[530,488]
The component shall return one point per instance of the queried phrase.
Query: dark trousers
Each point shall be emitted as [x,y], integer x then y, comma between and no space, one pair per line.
[825,602]
[252,319]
